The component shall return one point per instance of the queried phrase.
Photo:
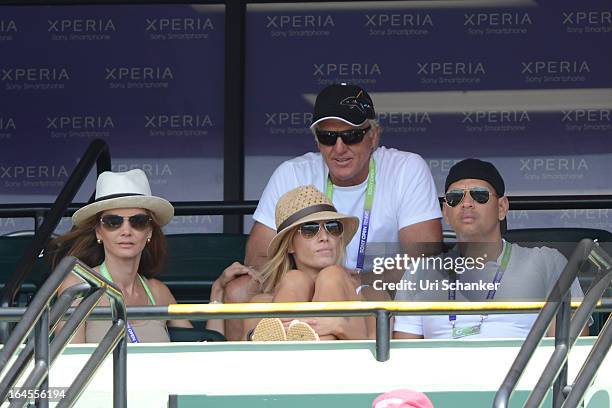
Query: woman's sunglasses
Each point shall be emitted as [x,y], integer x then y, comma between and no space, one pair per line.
[455,196]
[349,137]
[311,229]
[112,222]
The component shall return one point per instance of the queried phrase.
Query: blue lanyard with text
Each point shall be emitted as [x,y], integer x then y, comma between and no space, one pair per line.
[367,209]
[128,327]
[496,280]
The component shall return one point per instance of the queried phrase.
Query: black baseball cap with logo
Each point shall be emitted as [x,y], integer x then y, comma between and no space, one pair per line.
[476,169]
[348,103]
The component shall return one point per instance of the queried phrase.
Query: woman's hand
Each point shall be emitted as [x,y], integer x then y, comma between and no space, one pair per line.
[234,270]
[230,273]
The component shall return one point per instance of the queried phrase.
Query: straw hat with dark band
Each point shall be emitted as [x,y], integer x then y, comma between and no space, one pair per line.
[305,204]
[128,189]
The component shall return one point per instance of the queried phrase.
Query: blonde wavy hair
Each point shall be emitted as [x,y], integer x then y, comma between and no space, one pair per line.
[282,261]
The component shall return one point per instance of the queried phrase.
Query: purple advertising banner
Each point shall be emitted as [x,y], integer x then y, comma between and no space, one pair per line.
[525,84]
[147,79]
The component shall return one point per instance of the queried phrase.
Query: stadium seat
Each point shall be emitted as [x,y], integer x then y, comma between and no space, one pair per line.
[565,239]
[196,260]
[11,250]
[556,234]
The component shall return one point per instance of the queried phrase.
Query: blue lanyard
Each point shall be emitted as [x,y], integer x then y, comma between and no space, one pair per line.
[367,209]
[128,327]
[131,333]
[496,280]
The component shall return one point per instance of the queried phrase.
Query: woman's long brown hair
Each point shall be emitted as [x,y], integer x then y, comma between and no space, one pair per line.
[81,243]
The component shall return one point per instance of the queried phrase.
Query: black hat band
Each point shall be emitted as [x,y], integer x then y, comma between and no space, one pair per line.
[296,216]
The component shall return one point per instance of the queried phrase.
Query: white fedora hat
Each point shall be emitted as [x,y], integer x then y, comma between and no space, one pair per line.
[128,189]
[304,204]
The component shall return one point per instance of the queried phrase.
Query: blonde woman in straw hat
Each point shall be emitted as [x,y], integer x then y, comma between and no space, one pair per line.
[120,236]
[305,264]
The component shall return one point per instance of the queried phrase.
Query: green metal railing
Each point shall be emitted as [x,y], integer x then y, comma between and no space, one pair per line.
[44,318]
[567,331]
[558,303]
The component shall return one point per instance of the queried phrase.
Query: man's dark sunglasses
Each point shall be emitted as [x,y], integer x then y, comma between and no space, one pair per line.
[349,137]
[455,196]
[311,229]
[139,222]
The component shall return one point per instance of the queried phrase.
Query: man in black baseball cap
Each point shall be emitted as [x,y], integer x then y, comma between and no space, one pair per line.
[346,132]
[475,203]
[390,191]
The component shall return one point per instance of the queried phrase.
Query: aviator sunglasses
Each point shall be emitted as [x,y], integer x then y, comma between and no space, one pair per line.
[112,222]
[349,137]
[311,229]
[455,196]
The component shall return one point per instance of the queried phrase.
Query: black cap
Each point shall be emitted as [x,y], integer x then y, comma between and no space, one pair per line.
[476,169]
[345,102]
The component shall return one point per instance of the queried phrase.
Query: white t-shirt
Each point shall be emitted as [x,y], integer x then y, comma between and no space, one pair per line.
[405,194]
[530,276]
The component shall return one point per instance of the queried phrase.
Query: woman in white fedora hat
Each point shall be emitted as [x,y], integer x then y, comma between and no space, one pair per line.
[120,236]
[305,264]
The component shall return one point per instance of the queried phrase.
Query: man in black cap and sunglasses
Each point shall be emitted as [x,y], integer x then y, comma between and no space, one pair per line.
[392,192]
[481,181]
[482,267]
